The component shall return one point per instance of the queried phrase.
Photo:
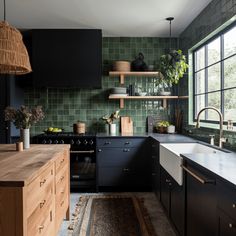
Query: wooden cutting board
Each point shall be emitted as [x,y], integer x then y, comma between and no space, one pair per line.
[126,125]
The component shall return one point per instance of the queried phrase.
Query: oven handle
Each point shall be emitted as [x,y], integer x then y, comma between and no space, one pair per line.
[89,151]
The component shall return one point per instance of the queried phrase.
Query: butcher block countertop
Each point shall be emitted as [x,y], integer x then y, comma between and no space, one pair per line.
[20,168]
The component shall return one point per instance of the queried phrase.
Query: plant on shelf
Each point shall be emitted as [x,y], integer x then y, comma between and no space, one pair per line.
[23,118]
[161,126]
[173,65]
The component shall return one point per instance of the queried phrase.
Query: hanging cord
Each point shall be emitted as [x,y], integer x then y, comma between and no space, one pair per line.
[4,11]
[170,19]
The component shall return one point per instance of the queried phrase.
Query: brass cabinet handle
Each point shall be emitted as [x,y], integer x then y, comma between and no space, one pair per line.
[201,180]
[234,205]
[62,161]
[62,177]
[42,203]
[231,225]
[62,203]
[42,182]
[126,169]
[41,227]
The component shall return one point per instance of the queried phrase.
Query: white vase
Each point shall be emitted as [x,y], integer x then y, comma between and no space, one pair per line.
[171,129]
[112,129]
[26,138]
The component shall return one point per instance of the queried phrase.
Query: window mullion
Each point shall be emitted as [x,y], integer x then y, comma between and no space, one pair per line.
[206,81]
[222,73]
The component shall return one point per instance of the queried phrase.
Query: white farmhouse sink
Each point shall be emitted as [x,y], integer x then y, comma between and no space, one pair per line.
[171,160]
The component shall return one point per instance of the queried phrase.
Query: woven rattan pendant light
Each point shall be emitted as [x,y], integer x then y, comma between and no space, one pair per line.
[14,58]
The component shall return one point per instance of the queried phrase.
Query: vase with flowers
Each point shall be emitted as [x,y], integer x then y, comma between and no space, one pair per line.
[110,121]
[23,118]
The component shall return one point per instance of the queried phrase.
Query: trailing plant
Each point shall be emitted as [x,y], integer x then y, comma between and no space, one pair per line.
[172,67]
[110,119]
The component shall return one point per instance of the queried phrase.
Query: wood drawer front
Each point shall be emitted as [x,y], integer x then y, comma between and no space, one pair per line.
[62,180]
[39,189]
[226,199]
[43,224]
[120,142]
[61,162]
[116,156]
[62,203]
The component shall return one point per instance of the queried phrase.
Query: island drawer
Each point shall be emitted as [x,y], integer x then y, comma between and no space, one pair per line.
[226,199]
[120,142]
[39,189]
[61,162]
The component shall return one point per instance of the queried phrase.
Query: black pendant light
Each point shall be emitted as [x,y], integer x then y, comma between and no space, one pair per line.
[14,58]
[170,19]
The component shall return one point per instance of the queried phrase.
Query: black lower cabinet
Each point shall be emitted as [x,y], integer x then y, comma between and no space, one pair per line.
[172,199]
[226,225]
[122,163]
[156,173]
[200,202]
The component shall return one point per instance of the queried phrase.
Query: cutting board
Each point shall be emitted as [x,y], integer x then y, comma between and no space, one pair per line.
[126,125]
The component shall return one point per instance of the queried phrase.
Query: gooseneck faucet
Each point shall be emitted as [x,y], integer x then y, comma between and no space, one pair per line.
[221,138]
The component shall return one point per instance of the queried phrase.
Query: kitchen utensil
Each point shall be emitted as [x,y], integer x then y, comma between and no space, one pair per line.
[126,125]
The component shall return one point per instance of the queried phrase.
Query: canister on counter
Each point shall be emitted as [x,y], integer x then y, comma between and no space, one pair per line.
[79,128]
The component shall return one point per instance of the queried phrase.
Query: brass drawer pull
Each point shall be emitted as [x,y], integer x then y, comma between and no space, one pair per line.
[42,182]
[41,227]
[62,191]
[62,161]
[201,180]
[234,205]
[62,203]
[126,169]
[231,225]
[42,203]
[62,177]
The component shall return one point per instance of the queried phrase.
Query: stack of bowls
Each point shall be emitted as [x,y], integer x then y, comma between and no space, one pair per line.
[119,91]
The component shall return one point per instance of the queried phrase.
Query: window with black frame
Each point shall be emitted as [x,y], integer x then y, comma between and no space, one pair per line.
[214,70]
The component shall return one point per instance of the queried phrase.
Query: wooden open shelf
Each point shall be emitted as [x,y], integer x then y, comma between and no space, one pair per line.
[163,98]
[123,74]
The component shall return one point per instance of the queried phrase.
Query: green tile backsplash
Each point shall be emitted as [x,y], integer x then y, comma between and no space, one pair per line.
[63,107]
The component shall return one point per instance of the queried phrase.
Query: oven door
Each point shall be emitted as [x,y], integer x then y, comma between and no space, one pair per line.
[83,169]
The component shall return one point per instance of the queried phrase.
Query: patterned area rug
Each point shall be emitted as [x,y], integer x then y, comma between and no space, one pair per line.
[110,215]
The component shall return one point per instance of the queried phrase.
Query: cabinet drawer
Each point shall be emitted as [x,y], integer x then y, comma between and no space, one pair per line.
[43,224]
[61,162]
[226,199]
[62,180]
[116,156]
[227,226]
[120,142]
[39,189]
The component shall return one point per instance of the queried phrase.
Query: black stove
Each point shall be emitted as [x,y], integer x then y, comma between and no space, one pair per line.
[82,157]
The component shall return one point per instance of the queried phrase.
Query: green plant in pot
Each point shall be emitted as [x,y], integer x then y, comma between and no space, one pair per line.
[173,65]
[161,126]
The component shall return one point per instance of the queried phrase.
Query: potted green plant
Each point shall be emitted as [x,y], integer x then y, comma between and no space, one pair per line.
[161,126]
[173,65]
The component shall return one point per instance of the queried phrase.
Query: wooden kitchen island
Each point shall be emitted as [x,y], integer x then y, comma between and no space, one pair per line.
[34,189]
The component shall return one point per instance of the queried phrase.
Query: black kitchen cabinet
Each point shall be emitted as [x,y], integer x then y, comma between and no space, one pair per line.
[11,94]
[200,201]
[172,199]
[156,173]
[226,209]
[67,58]
[123,162]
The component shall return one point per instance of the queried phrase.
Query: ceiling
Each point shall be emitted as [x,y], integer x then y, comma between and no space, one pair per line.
[128,18]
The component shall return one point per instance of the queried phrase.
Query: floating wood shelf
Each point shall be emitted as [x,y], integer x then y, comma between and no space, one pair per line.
[123,74]
[163,98]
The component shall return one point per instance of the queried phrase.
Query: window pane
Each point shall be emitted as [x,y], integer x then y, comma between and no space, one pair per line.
[200,82]
[213,100]
[214,78]
[200,103]
[213,51]
[200,59]
[230,104]
[230,72]
[230,42]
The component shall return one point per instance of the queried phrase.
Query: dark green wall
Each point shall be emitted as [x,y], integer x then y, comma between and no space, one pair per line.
[63,107]
[216,14]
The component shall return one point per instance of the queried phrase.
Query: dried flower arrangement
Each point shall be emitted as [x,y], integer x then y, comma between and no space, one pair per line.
[24,117]
[110,119]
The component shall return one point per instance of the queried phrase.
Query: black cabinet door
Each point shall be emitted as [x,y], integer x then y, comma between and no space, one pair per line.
[177,206]
[227,226]
[156,172]
[165,190]
[200,203]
